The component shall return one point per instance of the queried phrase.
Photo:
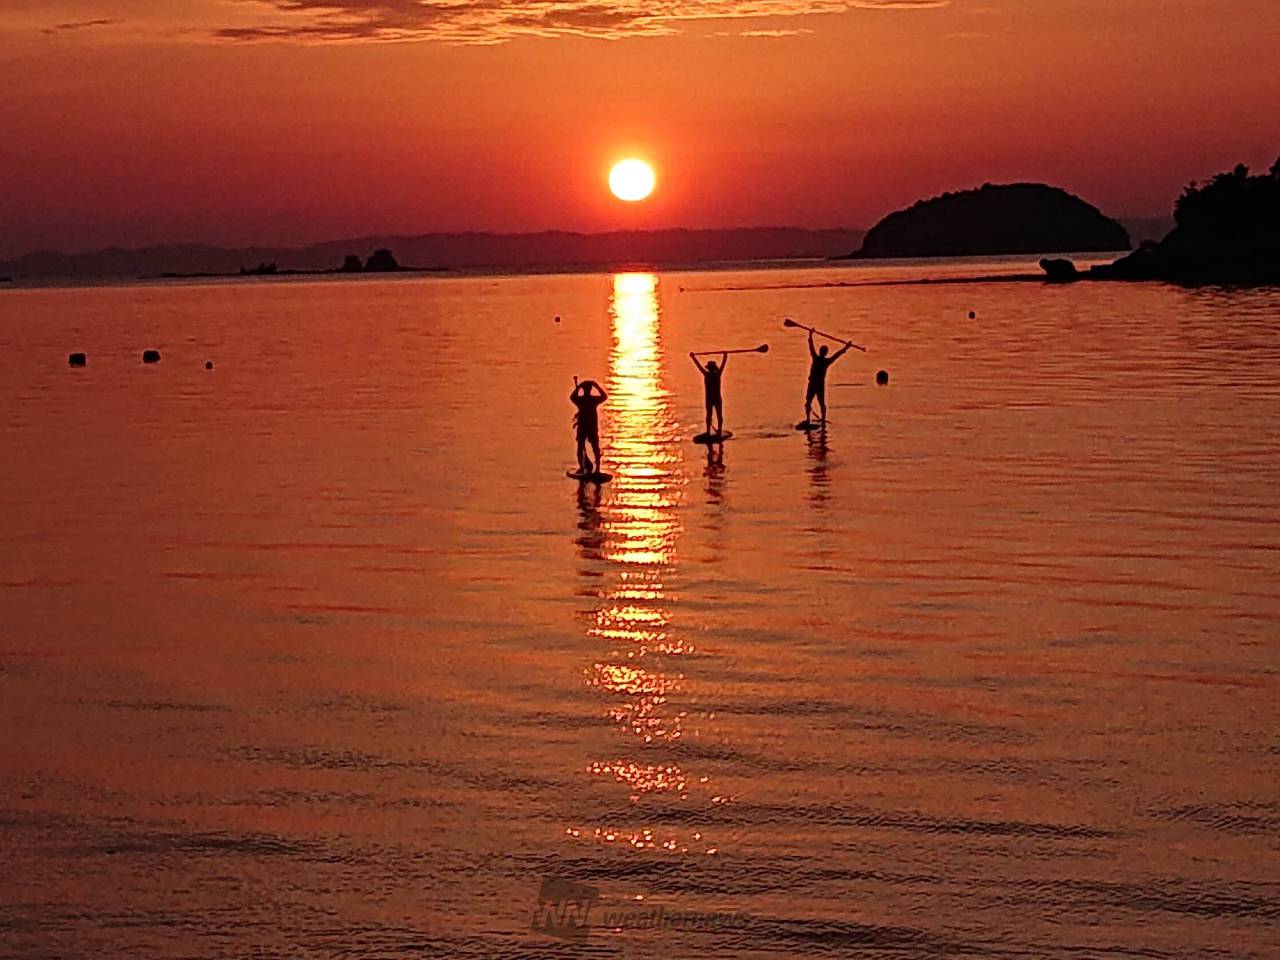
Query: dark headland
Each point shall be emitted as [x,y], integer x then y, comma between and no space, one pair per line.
[994,219]
[1227,232]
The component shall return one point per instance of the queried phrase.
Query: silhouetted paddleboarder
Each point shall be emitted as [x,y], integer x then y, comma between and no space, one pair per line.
[587,397]
[711,375]
[819,364]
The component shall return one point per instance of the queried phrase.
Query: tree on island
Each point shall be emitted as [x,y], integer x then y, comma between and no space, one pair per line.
[382,261]
[1233,214]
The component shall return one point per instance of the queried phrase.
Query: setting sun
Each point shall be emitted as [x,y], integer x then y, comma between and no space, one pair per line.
[632,180]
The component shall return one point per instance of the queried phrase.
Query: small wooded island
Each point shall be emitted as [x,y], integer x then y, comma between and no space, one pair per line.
[381,261]
[994,219]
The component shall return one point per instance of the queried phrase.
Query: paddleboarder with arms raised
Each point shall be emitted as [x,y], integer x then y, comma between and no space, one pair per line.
[711,374]
[819,364]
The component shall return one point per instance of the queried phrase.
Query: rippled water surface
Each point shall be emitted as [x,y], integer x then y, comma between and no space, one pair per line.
[319,653]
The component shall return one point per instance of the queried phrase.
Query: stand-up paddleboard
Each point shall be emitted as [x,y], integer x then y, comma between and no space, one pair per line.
[588,477]
[811,425]
[710,438]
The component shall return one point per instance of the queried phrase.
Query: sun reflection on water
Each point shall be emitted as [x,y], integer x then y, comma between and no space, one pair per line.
[642,527]
[639,527]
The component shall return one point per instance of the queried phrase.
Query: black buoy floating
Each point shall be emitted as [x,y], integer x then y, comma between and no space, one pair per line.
[882,378]
[973,315]
[77,360]
[557,319]
[208,364]
[150,356]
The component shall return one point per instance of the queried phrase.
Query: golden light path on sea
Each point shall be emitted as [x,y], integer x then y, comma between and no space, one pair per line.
[640,529]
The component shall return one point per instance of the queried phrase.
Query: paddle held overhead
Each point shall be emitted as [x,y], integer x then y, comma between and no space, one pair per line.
[791,324]
[763,348]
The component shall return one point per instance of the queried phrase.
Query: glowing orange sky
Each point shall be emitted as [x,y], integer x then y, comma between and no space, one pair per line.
[239,121]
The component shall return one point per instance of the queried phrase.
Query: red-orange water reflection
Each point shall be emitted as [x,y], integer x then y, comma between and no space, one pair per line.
[639,533]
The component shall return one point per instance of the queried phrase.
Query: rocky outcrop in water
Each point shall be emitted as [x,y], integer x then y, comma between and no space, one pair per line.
[1059,271]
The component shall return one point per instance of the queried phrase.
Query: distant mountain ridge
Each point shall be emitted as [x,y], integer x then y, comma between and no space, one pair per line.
[451,251]
[994,219]
[1142,229]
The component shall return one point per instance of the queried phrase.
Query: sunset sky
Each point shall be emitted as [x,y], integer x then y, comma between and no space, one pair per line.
[288,121]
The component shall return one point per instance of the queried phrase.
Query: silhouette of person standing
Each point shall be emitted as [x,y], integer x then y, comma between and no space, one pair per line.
[711,375]
[587,397]
[819,364]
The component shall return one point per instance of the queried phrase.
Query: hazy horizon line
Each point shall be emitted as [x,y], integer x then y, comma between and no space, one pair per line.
[285,246]
[233,247]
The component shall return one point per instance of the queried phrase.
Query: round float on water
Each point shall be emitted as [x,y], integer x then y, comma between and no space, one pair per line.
[973,315]
[882,378]
[77,360]
[150,356]
[208,364]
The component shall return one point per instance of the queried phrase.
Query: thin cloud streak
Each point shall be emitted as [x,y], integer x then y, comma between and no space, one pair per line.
[768,34]
[500,21]
[81,25]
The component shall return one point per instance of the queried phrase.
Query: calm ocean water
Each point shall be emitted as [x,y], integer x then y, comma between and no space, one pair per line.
[319,653]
